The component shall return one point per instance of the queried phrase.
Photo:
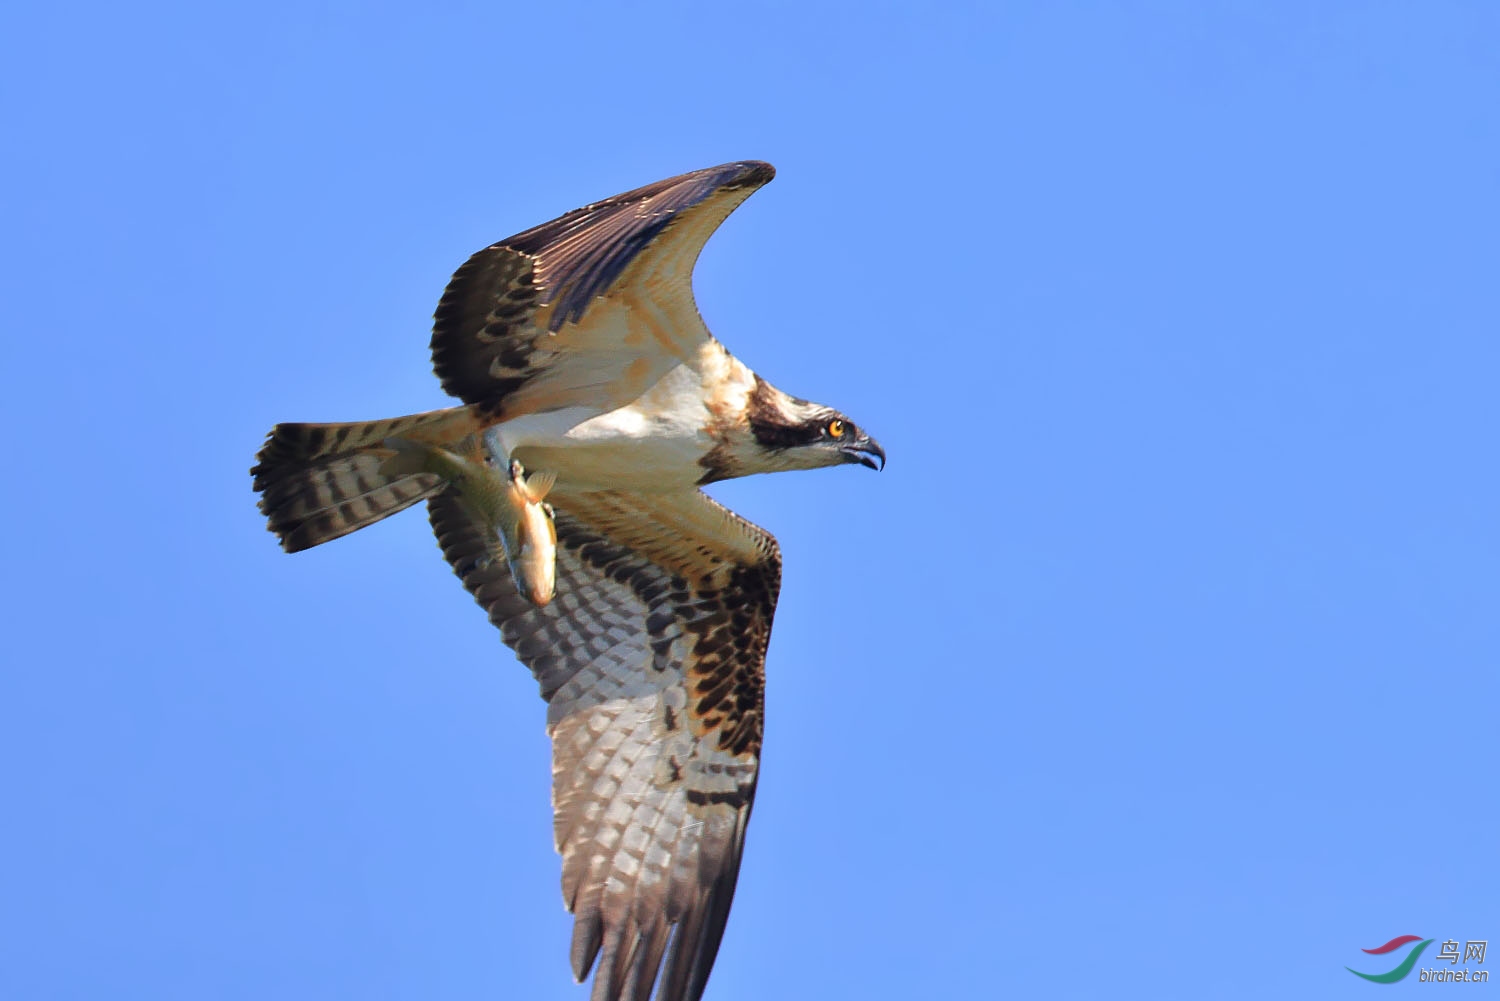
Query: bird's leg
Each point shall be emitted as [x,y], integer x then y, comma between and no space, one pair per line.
[497,451]
[495,454]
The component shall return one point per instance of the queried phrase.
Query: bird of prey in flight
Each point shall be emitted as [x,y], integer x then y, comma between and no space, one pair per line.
[576,349]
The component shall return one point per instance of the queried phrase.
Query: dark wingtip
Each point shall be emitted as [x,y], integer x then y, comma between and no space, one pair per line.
[748,173]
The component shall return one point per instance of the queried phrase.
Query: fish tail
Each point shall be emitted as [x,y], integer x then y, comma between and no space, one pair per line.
[538,485]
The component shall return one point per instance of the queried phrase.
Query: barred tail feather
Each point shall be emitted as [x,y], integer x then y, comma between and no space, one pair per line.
[320,481]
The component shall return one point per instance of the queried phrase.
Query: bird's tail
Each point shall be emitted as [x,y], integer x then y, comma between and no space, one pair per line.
[320,481]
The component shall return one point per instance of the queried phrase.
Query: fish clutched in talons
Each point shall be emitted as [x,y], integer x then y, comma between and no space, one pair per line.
[531,541]
[509,502]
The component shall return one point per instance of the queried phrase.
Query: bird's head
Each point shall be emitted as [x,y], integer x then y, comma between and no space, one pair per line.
[788,433]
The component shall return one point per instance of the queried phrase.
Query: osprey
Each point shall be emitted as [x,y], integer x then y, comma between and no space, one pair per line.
[577,350]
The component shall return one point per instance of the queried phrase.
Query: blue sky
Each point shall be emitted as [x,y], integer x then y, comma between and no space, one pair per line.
[1160,661]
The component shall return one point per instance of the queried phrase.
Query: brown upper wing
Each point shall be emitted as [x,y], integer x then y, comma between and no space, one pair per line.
[651,659]
[606,288]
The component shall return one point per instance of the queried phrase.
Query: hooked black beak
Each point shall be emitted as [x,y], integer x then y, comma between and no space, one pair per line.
[865,450]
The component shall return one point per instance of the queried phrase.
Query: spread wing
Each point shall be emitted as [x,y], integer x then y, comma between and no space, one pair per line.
[651,659]
[591,308]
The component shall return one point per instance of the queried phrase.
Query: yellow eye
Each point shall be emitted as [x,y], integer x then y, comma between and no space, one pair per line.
[835,429]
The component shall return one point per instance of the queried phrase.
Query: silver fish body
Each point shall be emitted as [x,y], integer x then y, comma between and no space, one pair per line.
[509,502]
[532,542]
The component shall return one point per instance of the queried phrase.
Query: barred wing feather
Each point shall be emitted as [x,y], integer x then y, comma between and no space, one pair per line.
[591,308]
[651,660]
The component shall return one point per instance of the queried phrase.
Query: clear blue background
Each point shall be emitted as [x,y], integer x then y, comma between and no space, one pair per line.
[1160,662]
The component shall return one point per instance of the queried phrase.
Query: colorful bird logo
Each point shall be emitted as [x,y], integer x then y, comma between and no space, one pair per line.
[1406,964]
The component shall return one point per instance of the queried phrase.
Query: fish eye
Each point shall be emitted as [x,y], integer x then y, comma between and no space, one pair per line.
[836,428]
